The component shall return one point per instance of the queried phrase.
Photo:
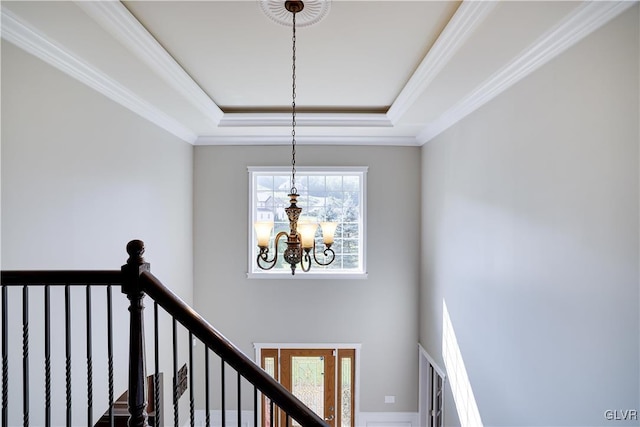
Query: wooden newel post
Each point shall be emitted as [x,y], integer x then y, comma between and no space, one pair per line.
[137,372]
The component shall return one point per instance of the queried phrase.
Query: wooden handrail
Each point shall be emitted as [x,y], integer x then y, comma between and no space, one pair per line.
[232,355]
[67,277]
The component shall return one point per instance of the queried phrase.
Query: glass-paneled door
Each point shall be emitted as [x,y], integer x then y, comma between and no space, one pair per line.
[323,379]
[310,376]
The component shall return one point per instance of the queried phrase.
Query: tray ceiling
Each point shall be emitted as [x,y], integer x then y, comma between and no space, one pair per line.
[370,72]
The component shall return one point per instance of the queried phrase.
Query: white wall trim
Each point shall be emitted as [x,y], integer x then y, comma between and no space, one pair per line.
[367,419]
[114,17]
[574,27]
[305,119]
[398,141]
[17,32]
[464,22]
[424,383]
[433,363]
[215,417]
[388,419]
[261,345]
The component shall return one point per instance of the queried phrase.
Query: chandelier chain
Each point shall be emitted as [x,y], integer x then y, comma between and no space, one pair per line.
[293,114]
[301,242]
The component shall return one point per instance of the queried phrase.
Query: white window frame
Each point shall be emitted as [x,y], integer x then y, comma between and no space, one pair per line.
[254,273]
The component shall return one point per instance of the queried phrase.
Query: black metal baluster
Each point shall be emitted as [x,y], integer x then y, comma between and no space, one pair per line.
[67,327]
[286,420]
[271,413]
[224,415]
[89,360]
[5,360]
[156,361]
[175,374]
[25,356]
[191,397]
[239,401]
[206,387]
[110,353]
[255,405]
[47,356]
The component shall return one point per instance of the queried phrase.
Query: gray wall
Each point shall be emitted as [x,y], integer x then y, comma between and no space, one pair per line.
[379,312]
[81,176]
[530,224]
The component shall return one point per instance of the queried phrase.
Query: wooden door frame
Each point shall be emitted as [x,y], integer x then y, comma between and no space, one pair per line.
[259,346]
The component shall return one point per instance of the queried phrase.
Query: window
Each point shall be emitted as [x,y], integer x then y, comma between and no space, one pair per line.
[326,194]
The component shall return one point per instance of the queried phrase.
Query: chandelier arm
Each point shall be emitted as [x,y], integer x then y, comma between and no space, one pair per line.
[306,257]
[327,252]
[264,254]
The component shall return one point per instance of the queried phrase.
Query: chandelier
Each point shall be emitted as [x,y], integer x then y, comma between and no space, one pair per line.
[301,242]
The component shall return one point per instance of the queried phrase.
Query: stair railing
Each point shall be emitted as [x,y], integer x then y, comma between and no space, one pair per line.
[137,281]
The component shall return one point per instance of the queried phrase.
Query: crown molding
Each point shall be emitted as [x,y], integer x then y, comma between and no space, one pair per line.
[116,19]
[464,22]
[406,141]
[17,32]
[305,119]
[587,18]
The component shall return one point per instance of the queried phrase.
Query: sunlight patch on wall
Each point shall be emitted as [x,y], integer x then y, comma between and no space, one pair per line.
[466,405]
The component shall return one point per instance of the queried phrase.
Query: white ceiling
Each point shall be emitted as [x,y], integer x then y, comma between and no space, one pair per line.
[371,72]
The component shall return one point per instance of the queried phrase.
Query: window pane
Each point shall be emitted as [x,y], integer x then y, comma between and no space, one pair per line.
[265,182]
[282,183]
[350,246]
[302,183]
[269,365]
[307,382]
[317,185]
[334,183]
[324,196]
[350,261]
[351,183]
[345,393]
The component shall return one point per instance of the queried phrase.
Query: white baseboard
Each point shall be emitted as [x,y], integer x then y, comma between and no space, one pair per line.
[364,419]
[387,419]
[231,418]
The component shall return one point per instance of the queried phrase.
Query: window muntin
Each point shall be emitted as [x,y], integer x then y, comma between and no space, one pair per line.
[326,194]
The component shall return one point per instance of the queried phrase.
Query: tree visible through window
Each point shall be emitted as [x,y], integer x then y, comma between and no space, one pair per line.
[326,194]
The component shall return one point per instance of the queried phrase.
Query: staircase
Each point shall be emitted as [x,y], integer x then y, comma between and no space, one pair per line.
[248,387]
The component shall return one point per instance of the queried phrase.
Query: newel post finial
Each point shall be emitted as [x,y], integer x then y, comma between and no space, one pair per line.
[135,249]
[133,288]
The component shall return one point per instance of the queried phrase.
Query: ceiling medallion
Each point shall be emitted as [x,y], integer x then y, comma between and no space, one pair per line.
[314,11]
